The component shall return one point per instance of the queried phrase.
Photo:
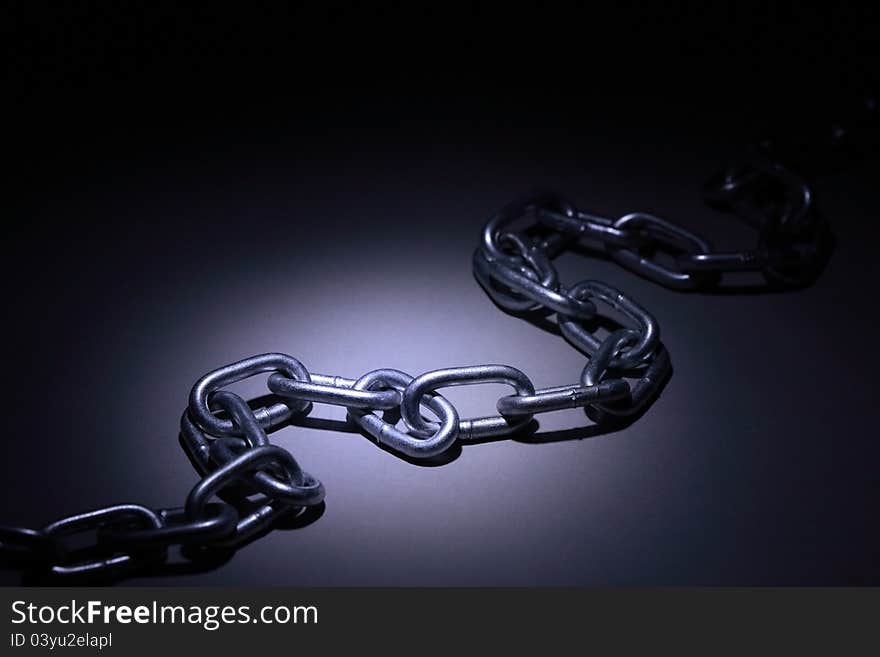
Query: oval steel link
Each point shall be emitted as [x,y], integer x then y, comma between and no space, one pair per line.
[592,226]
[665,233]
[560,398]
[268,417]
[527,286]
[93,520]
[254,522]
[535,263]
[641,391]
[334,390]
[207,454]
[456,376]
[311,491]
[722,262]
[513,211]
[789,248]
[483,271]
[177,529]
[536,292]
[223,450]
[425,445]
[648,330]
[272,485]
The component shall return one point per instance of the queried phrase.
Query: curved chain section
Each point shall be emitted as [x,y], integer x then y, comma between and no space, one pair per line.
[254,483]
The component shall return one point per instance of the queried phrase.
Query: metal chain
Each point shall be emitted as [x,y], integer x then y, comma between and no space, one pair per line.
[258,483]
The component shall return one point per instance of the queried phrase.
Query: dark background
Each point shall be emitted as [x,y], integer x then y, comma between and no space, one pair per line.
[189,187]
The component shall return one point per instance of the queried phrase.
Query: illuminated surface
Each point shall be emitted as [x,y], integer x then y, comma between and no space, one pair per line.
[753,467]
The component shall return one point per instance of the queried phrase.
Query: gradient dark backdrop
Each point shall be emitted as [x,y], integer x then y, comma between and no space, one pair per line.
[187,189]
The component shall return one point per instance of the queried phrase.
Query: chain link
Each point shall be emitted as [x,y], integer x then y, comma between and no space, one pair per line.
[258,482]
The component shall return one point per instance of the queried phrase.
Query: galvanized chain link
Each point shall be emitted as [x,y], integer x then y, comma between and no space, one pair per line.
[257,482]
